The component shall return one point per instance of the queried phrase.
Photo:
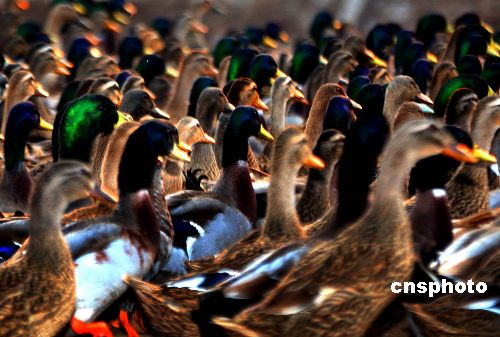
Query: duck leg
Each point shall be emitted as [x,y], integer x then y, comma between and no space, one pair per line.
[123,317]
[96,329]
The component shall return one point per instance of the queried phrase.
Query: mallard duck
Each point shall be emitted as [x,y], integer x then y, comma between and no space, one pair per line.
[217,219]
[468,189]
[133,240]
[196,64]
[410,111]
[15,188]
[190,133]
[38,286]
[305,61]
[21,86]
[226,46]
[94,113]
[139,104]
[211,104]
[239,66]
[400,90]
[336,298]
[316,198]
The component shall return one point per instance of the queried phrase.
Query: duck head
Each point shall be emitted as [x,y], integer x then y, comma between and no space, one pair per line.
[226,46]
[429,25]
[191,132]
[244,123]
[23,118]
[150,66]
[78,125]
[144,153]
[107,87]
[473,82]
[199,85]
[243,91]
[130,49]
[305,59]
[339,114]
[239,66]
[263,71]
[138,104]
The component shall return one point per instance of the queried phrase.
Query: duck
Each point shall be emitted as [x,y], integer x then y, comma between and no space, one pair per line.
[135,82]
[46,262]
[316,198]
[134,227]
[239,65]
[290,305]
[106,87]
[190,133]
[196,64]
[16,184]
[468,189]
[400,90]
[211,103]
[304,64]
[139,104]
[231,203]
[21,86]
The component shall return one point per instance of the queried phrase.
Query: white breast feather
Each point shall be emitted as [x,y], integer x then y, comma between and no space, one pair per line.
[99,284]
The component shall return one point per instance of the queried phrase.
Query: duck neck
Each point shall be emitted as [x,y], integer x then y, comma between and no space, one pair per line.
[278,112]
[44,226]
[282,218]
[484,132]
[15,142]
[206,113]
[180,101]
[314,124]
[392,103]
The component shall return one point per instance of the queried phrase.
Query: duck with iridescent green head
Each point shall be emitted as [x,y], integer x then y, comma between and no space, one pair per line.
[258,38]
[429,25]
[322,25]
[305,59]
[77,127]
[239,65]
[16,184]
[226,46]
[263,71]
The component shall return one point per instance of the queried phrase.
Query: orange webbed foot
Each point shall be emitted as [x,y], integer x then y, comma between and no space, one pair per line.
[126,324]
[96,329]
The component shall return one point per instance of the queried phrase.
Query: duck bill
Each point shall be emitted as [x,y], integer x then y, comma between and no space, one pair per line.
[259,104]
[121,17]
[79,8]
[314,162]
[432,58]
[212,72]
[150,93]
[298,95]
[283,36]
[184,147]
[280,73]
[374,59]
[207,139]
[265,135]
[159,113]
[199,27]
[483,155]
[122,118]
[171,72]
[488,27]
[97,194]
[492,51]
[23,5]
[355,105]
[40,91]
[229,107]
[94,40]
[460,152]
[323,60]
[337,24]
[425,108]
[44,125]
[269,42]
[130,8]
[112,26]
[62,62]
[178,153]
[424,98]
[63,71]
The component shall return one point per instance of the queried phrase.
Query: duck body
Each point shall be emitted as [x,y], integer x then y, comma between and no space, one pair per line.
[38,285]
